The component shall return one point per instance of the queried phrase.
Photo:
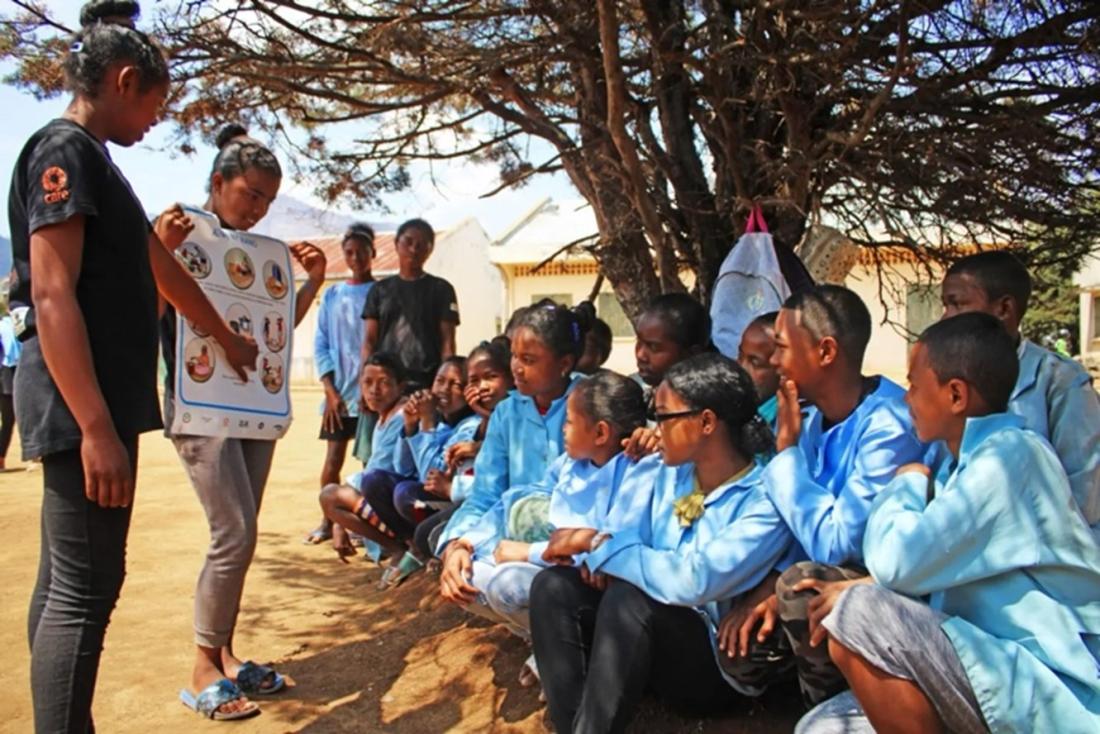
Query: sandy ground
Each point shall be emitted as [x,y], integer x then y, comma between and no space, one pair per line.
[363,661]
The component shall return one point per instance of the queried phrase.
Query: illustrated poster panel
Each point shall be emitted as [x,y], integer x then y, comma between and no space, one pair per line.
[249,280]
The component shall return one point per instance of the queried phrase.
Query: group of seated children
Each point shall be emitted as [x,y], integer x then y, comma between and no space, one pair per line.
[919,560]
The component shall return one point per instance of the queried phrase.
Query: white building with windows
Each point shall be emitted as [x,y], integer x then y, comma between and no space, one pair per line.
[902,295]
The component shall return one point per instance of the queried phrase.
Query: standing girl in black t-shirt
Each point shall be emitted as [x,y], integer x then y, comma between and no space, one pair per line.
[89,269]
[229,474]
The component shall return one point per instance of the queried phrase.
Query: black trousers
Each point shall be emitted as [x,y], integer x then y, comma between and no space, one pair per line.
[598,653]
[80,573]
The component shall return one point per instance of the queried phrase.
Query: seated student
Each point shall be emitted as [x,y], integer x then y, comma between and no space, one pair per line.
[754,356]
[597,347]
[673,327]
[1011,641]
[710,535]
[448,479]
[592,484]
[525,433]
[1053,394]
[382,382]
[434,420]
[830,465]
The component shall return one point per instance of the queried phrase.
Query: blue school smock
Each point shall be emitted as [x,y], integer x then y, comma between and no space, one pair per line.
[518,448]
[727,551]
[769,410]
[582,495]
[1018,575]
[823,487]
[338,339]
[1055,398]
[425,450]
[386,445]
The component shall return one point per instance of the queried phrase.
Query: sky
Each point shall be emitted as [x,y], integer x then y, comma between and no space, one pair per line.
[161,176]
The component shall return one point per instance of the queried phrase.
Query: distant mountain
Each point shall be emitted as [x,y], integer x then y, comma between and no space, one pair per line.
[290,218]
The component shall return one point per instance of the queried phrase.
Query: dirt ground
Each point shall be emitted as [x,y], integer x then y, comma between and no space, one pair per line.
[363,661]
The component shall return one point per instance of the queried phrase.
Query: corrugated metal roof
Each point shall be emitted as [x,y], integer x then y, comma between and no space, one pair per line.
[384,263]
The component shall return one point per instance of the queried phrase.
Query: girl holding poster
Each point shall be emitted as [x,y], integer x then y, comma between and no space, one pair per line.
[229,474]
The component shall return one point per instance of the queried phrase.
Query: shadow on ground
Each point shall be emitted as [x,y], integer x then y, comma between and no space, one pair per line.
[405,661]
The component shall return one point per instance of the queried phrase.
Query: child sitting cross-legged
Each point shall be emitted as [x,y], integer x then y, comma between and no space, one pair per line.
[382,380]
[1009,637]
[448,475]
[434,420]
[592,484]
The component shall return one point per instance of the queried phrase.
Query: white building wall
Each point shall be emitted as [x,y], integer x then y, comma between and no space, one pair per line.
[461,256]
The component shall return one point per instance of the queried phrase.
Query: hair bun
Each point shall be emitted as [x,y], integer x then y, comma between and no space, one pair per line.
[120,12]
[229,133]
[585,314]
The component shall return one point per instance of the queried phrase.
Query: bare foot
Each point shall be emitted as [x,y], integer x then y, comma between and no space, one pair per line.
[319,534]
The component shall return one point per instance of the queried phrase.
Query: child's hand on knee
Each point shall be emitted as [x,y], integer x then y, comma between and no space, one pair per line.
[819,607]
[765,614]
[438,483]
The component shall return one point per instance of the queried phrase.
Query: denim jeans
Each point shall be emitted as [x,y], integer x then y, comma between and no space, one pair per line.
[80,573]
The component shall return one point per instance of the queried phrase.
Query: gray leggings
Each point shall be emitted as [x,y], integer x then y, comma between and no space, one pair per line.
[228,475]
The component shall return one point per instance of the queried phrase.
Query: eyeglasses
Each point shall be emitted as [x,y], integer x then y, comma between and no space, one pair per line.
[662,417]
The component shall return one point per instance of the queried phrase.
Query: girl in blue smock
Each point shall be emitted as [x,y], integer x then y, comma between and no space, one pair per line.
[642,610]
[382,382]
[592,480]
[525,432]
[488,382]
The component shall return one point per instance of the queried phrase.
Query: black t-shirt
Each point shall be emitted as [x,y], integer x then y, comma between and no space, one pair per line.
[64,171]
[409,315]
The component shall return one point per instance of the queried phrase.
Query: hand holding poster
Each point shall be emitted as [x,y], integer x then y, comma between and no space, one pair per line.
[248,278]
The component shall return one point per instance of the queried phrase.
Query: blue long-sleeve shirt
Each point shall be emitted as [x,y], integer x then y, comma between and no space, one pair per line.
[1000,550]
[387,445]
[425,450]
[582,495]
[1055,398]
[339,337]
[726,551]
[519,446]
[824,486]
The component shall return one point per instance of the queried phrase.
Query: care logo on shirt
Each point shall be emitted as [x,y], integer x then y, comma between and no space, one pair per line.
[55,182]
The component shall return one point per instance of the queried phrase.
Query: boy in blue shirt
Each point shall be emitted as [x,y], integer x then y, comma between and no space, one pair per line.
[755,357]
[831,463]
[1010,638]
[1053,394]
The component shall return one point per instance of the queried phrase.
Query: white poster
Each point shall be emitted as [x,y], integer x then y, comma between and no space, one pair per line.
[249,280]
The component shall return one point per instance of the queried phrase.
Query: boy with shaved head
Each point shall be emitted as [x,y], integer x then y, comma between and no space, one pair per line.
[832,461]
[1009,637]
[1053,394]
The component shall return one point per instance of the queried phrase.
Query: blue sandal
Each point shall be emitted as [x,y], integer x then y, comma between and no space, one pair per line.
[213,697]
[251,677]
